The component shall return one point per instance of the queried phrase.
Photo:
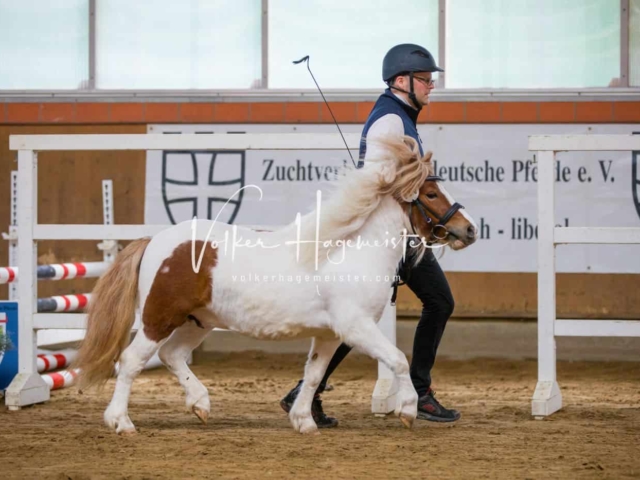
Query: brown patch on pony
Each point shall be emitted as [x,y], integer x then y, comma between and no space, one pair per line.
[177,290]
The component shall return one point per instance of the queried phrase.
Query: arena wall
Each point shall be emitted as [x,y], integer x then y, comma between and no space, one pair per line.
[69,184]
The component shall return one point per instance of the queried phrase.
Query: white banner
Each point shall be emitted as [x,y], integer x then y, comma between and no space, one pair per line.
[487,168]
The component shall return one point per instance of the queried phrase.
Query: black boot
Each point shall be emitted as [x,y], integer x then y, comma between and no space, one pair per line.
[430,409]
[322,420]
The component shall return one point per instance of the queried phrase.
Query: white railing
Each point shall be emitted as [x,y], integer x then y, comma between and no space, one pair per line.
[28,388]
[547,397]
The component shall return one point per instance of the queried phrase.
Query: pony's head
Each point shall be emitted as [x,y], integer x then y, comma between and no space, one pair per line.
[398,171]
[431,212]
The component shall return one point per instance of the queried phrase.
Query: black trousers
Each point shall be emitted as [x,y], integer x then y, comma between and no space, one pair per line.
[428,282]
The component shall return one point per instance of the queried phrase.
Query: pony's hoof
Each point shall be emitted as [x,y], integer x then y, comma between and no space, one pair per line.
[310,430]
[130,432]
[202,414]
[304,425]
[407,421]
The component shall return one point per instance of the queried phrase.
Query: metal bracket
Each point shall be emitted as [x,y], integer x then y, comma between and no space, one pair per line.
[109,248]
[11,236]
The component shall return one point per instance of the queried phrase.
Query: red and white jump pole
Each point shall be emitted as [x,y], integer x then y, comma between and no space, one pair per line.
[64,303]
[48,362]
[66,378]
[62,379]
[60,271]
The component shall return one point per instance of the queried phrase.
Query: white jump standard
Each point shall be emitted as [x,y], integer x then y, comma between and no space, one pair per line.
[547,397]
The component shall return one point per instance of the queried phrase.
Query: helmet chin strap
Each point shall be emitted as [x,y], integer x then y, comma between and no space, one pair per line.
[411,93]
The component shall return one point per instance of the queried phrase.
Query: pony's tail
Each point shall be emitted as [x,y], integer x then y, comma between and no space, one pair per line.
[111,315]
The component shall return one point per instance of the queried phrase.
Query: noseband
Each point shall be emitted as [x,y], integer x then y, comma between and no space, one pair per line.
[438,231]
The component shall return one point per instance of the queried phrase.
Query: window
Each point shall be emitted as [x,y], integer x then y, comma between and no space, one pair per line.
[346,40]
[218,44]
[44,45]
[634,43]
[169,44]
[525,44]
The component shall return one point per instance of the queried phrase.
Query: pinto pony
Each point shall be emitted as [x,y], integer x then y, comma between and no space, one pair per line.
[326,276]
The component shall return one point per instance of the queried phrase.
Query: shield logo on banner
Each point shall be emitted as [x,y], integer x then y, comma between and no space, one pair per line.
[200,183]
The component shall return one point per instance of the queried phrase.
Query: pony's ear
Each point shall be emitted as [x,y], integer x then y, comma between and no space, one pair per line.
[412,144]
[427,157]
[387,173]
[412,197]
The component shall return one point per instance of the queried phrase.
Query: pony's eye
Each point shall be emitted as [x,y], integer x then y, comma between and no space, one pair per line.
[432,196]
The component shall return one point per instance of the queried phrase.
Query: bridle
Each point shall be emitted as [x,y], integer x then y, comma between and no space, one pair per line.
[438,231]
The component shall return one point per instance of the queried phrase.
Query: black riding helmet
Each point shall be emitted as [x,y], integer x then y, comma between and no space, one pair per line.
[407,58]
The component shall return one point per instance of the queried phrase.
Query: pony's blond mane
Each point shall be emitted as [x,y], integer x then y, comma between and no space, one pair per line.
[398,171]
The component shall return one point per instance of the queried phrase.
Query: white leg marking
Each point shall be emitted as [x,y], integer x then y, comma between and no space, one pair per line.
[174,355]
[367,337]
[132,361]
[315,368]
